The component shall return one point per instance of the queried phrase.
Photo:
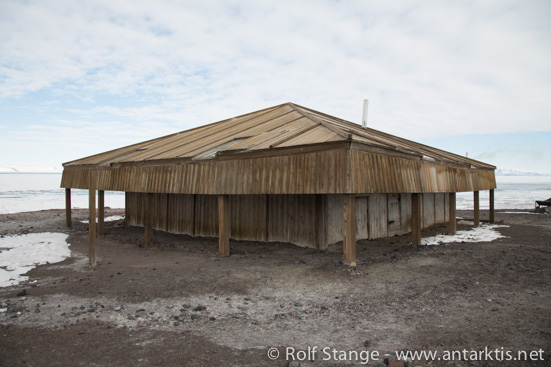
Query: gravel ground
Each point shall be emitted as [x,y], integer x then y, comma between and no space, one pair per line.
[178,304]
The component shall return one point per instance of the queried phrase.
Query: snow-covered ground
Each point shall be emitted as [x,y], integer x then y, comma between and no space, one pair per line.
[106,219]
[20,253]
[484,233]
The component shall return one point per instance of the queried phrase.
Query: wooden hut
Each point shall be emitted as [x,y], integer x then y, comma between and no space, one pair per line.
[285,173]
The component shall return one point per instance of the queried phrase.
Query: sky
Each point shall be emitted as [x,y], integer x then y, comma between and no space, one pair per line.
[81,77]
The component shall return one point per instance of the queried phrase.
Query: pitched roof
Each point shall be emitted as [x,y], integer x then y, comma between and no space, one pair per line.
[276,128]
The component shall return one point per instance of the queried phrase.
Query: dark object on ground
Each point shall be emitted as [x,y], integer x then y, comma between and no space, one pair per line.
[22,293]
[540,203]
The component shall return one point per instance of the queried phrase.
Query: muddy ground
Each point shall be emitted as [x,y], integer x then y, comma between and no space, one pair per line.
[178,304]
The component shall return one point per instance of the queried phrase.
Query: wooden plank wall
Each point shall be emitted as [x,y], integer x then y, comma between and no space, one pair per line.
[434,209]
[394,214]
[292,218]
[405,213]
[377,173]
[249,217]
[326,172]
[334,218]
[333,211]
[362,219]
[181,209]
[377,212]
[319,172]
[427,211]
[206,216]
[439,208]
[284,218]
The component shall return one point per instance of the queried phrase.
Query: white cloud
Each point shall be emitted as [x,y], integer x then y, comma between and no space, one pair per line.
[429,68]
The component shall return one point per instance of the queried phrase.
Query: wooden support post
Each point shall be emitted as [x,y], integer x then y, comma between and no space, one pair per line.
[68,220]
[476,199]
[320,235]
[92,220]
[415,219]
[349,229]
[148,222]
[492,218]
[452,214]
[224,225]
[101,212]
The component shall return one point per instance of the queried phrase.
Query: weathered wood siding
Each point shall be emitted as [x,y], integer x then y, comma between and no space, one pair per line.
[427,210]
[394,213]
[405,213]
[318,172]
[285,218]
[378,173]
[377,213]
[180,216]
[334,218]
[362,219]
[292,218]
[439,208]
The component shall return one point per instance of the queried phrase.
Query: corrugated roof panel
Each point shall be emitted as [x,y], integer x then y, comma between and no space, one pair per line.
[221,135]
[163,148]
[272,124]
[264,129]
[283,134]
[211,153]
[114,155]
[319,134]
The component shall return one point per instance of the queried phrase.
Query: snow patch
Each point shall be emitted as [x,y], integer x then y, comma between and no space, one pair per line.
[19,254]
[106,219]
[484,233]
[519,213]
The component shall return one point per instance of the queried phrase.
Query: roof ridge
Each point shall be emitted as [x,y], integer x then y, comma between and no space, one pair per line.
[337,130]
[196,141]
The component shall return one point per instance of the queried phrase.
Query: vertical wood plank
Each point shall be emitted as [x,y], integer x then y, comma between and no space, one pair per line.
[267,217]
[101,212]
[446,207]
[416,219]
[91,220]
[452,213]
[224,224]
[373,216]
[393,214]
[68,220]
[167,213]
[405,213]
[349,229]
[382,212]
[321,238]
[427,210]
[126,208]
[194,216]
[148,222]
[476,199]
[362,221]
[439,208]
[492,219]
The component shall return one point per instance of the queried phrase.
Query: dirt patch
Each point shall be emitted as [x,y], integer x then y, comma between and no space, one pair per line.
[178,304]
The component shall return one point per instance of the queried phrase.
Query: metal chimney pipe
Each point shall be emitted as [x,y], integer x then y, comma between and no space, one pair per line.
[364,115]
